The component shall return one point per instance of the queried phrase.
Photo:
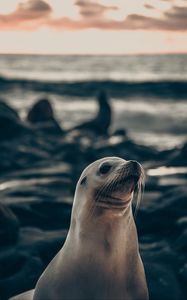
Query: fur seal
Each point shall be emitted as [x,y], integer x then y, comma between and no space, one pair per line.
[100,259]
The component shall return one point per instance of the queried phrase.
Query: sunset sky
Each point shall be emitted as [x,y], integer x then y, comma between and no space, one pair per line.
[93,27]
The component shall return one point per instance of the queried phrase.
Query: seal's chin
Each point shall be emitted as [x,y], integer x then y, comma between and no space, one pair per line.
[112,202]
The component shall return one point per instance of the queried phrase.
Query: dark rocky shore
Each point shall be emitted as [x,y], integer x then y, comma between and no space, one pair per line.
[39,167]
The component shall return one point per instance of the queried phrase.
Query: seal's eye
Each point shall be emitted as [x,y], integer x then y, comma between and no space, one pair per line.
[104,168]
[83,181]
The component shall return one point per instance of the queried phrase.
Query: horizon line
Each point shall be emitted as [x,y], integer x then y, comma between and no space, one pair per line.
[95,54]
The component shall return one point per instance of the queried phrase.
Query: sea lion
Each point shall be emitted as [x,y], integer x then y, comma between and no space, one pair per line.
[100,259]
[42,116]
[41,111]
[100,124]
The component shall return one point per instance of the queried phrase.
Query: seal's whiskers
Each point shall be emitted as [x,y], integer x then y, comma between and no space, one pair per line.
[139,194]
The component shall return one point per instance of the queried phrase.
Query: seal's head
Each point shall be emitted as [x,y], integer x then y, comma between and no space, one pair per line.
[108,185]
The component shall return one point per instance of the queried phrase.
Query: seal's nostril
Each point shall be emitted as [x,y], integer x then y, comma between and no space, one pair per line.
[134,164]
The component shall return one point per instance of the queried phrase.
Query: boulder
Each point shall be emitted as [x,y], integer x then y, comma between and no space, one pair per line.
[10,124]
[43,214]
[9,226]
[178,157]
[18,272]
[43,244]
[162,282]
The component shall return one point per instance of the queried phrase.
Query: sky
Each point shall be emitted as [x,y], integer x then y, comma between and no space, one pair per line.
[93,26]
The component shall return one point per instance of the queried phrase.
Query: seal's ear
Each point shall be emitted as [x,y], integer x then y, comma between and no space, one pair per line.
[83,181]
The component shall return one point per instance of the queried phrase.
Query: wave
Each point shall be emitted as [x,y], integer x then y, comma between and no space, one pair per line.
[163,88]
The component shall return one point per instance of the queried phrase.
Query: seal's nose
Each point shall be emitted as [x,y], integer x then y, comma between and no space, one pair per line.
[134,165]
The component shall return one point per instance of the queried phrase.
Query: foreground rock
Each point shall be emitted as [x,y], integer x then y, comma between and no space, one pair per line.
[19,272]
[162,281]
[10,123]
[9,226]
[22,265]
[43,214]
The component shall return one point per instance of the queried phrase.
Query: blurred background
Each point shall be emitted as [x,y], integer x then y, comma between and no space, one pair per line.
[81,80]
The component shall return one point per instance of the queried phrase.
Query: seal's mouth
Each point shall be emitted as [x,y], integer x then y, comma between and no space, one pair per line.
[130,178]
[123,183]
[108,197]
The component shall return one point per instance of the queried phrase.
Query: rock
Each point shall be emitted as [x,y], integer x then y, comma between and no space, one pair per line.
[15,155]
[159,251]
[120,132]
[49,128]
[174,201]
[178,157]
[161,214]
[180,243]
[44,244]
[18,272]
[182,223]
[43,214]
[5,109]
[9,226]
[162,282]
[51,170]
[10,124]
[124,148]
[183,277]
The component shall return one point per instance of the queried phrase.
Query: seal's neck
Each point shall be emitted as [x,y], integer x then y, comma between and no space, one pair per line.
[110,232]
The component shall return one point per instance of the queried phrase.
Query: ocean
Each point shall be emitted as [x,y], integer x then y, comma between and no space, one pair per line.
[148,93]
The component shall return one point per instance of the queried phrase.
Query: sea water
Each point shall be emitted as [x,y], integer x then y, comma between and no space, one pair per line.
[148,93]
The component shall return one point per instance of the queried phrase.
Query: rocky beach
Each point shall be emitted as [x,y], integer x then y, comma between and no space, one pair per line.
[40,165]
[60,113]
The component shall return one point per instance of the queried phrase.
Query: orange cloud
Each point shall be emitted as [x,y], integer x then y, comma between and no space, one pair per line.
[32,14]
[173,20]
[28,15]
[148,6]
[90,9]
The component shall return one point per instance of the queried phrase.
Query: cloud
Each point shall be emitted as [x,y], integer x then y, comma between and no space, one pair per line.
[32,14]
[34,6]
[173,20]
[177,12]
[148,6]
[28,15]
[89,9]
